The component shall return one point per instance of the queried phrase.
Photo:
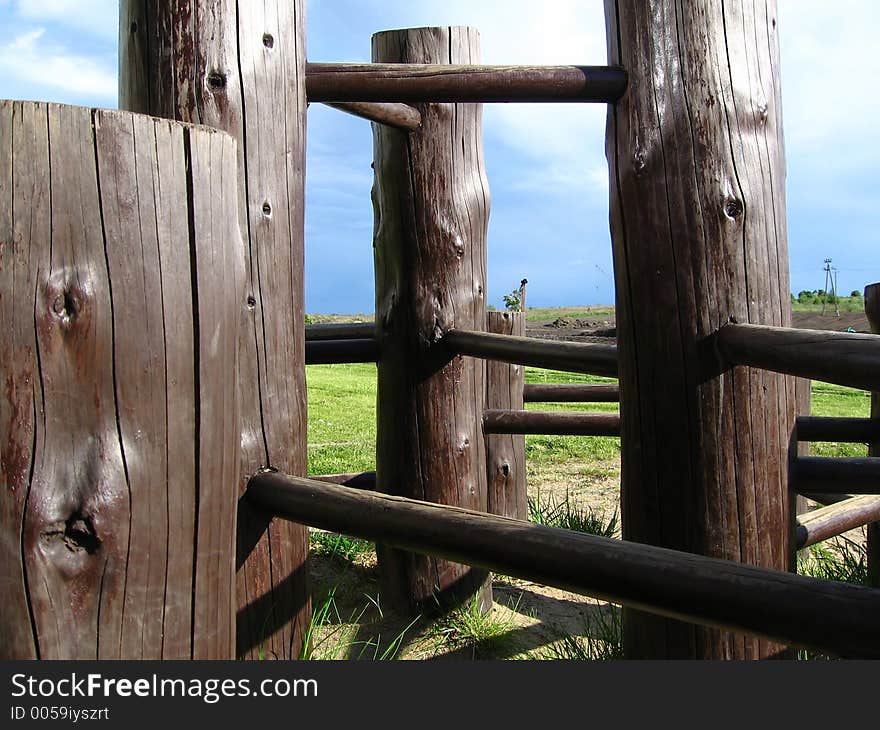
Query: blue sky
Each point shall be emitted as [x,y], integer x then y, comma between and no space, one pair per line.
[546,163]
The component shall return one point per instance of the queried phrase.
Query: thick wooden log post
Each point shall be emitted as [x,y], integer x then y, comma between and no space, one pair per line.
[431,205]
[698,224]
[506,453]
[120,269]
[872,309]
[240,66]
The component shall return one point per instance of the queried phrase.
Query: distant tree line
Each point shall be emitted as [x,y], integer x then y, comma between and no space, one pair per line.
[818,296]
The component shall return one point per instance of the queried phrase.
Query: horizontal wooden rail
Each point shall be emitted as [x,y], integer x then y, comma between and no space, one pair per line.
[575,357]
[833,357]
[851,475]
[570,393]
[844,430]
[361,480]
[401,116]
[834,617]
[833,520]
[328,352]
[408,82]
[551,423]
[340,331]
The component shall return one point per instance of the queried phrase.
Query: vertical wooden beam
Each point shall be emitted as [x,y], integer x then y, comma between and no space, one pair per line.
[240,66]
[431,205]
[698,225]
[506,453]
[120,269]
[872,310]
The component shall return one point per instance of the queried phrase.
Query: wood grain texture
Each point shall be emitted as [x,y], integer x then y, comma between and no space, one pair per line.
[441,82]
[431,206]
[838,617]
[401,116]
[844,358]
[506,453]
[573,357]
[697,174]
[826,522]
[120,422]
[872,310]
[570,393]
[239,66]
[556,423]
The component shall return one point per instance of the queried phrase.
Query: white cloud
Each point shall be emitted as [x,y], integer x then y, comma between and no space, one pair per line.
[94,17]
[29,60]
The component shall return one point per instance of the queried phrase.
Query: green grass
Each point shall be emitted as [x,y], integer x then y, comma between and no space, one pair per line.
[341,547]
[602,641]
[838,401]
[539,314]
[342,418]
[564,513]
[468,629]
[845,304]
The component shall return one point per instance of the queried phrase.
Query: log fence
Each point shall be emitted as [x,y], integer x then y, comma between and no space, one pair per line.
[708,431]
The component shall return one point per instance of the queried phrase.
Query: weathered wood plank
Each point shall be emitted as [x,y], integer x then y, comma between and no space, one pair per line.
[321,352]
[431,207]
[506,453]
[835,617]
[241,67]
[558,423]
[574,357]
[340,331]
[843,358]
[697,170]
[570,393]
[401,116]
[461,83]
[113,291]
[826,522]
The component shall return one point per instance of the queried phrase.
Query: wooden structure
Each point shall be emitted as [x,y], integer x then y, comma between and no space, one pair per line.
[696,166]
[151,286]
[505,453]
[120,277]
[240,67]
[431,214]
[872,309]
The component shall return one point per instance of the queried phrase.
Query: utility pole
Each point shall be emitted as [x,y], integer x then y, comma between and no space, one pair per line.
[830,282]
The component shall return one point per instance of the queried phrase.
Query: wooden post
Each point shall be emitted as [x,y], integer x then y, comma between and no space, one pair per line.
[522,298]
[120,269]
[872,310]
[698,226]
[506,453]
[241,67]
[431,209]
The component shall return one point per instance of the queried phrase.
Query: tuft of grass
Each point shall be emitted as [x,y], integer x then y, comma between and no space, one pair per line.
[602,641]
[338,546]
[563,512]
[330,637]
[840,559]
[469,628]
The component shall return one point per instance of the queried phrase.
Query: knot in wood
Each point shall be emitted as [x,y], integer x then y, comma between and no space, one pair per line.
[733,208]
[268,41]
[66,307]
[763,113]
[216,81]
[639,161]
[267,210]
[76,533]
[251,302]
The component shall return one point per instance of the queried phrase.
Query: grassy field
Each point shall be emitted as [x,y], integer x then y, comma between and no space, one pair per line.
[845,304]
[573,483]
